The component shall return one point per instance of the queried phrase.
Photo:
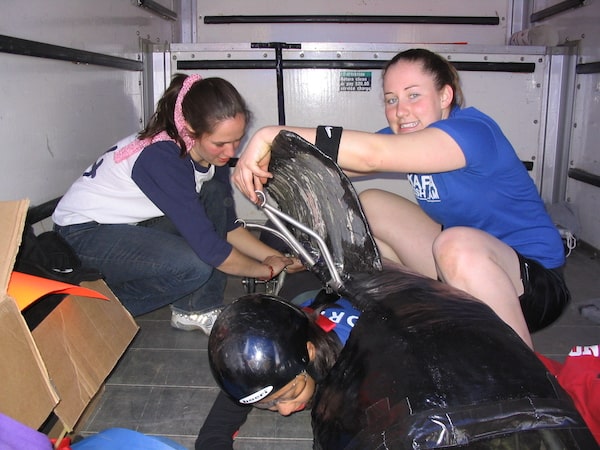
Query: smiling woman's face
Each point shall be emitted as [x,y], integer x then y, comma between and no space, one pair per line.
[412,101]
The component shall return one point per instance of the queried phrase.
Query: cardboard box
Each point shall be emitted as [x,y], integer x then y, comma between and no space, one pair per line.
[64,362]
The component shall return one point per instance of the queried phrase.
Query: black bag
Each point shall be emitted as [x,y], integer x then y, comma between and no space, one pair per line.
[48,255]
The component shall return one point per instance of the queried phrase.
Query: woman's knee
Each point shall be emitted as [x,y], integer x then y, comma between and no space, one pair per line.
[455,249]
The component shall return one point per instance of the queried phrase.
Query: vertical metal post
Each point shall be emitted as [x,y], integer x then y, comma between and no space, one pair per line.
[278,46]
[279,74]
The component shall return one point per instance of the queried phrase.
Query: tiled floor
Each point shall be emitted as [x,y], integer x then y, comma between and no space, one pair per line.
[163,386]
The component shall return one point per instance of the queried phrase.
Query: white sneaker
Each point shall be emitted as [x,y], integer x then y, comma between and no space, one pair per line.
[195,321]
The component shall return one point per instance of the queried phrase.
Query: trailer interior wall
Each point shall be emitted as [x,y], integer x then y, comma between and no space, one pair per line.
[340,84]
[570,99]
[57,116]
[580,26]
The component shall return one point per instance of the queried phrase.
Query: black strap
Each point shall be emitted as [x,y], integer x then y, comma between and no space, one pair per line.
[328,140]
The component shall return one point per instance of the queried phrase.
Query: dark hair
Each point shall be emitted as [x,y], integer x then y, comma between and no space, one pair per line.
[327,346]
[208,102]
[439,68]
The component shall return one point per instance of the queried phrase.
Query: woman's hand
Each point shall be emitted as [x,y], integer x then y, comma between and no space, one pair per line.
[251,171]
[278,264]
[295,267]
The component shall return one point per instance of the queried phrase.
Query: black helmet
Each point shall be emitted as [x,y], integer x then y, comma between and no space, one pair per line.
[257,346]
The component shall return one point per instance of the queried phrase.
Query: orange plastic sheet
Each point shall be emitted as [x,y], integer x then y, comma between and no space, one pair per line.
[27,289]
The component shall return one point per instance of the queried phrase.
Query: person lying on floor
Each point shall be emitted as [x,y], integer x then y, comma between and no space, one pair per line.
[337,315]
[425,366]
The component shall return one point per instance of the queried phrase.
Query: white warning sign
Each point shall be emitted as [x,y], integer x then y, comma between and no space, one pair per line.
[355,81]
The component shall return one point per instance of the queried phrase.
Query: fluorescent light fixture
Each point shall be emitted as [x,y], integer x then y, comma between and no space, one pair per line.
[158,9]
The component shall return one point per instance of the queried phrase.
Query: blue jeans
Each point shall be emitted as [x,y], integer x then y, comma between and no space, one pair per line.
[151,265]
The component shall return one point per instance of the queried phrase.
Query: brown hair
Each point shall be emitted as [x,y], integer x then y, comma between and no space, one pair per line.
[327,345]
[208,102]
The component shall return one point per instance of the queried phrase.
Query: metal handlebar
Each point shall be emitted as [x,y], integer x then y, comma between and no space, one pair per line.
[274,216]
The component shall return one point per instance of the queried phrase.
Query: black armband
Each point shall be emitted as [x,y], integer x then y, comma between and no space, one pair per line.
[328,140]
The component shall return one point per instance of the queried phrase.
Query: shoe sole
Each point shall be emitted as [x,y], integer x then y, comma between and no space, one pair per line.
[179,326]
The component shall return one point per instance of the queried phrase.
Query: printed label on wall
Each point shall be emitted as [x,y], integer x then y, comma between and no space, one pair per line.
[355,81]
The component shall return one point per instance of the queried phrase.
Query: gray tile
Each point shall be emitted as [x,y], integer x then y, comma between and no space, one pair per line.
[273,425]
[272,444]
[159,334]
[556,341]
[164,367]
[165,411]
[159,314]
[582,274]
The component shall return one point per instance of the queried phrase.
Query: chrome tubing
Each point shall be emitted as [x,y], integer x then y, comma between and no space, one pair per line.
[274,215]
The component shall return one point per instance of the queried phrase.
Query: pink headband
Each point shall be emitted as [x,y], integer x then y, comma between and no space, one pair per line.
[178,116]
[138,145]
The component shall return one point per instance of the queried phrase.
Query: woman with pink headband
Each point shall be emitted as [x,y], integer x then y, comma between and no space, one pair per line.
[155,213]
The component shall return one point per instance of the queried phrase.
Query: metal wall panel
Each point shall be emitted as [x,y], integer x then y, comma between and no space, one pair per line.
[57,116]
[356,32]
[579,27]
[585,155]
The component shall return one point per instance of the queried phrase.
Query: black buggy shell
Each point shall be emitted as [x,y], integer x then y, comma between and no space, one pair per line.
[426,366]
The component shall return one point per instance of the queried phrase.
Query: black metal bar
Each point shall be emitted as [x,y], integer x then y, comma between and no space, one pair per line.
[158,9]
[512,67]
[208,64]
[584,177]
[344,64]
[452,20]
[586,68]
[555,9]
[379,64]
[280,90]
[17,46]
[278,46]
[275,44]
[334,64]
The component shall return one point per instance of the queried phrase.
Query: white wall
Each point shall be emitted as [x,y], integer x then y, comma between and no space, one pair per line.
[56,117]
[359,33]
[581,27]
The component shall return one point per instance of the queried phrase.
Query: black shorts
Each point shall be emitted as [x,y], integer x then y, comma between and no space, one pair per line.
[545,294]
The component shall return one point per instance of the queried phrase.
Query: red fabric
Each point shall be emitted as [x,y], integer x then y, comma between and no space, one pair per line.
[580,377]
[65,444]
[325,323]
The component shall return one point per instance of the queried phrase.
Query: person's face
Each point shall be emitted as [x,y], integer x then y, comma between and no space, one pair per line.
[293,397]
[218,147]
[412,101]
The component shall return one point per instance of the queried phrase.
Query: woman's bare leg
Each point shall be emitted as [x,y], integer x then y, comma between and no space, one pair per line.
[485,267]
[404,233]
